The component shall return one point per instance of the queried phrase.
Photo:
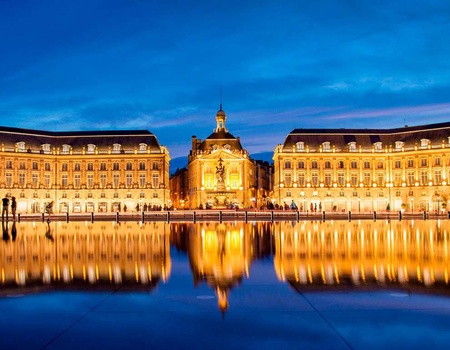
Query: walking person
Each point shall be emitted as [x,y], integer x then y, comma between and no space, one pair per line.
[5,202]
[49,209]
[13,207]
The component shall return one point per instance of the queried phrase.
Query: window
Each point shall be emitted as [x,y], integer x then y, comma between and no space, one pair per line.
[65,149]
[20,146]
[378,146]
[397,178]
[155,195]
[314,164]
[47,167]
[35,166]
[301,164]
[90,148]
[9,164]
[117,148]
[21,179]
[142,166]
[116,166]
[300,146]
[437,176]
[380,177]
[155,181]
[399,145]
[327,164]
[22,166]
[380,164]
[77,167]
[366,164]
[326,146]
[423,162]
[410,163]
[46,148]
[437,161]
[8,179]
[129,166]
[116,180]
[367,179]
[353,164]
[341,179]
[142,147]
[47,181]
[142,180]
[64,166]
[301,180]
[155,166]
[397,164]
[77,180]
[77,195]
[129,180]
[352,146]
[35,180]
[340,164]
[102,166]
[328,179]
[424,143]
[411,178]
[287,180]
[287,164]
[424,177]
[354,179]
[64,181]
[90,180]
[90,166]
[102,180]
[315,179]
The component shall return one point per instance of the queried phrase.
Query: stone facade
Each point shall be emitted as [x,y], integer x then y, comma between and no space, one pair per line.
[364,170]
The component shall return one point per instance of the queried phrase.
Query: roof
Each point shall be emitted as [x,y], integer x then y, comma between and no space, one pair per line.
[34,139]
[365,138]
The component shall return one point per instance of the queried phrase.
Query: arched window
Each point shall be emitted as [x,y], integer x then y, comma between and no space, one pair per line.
[142,147]
[65,149]
[287,164]
[90,148]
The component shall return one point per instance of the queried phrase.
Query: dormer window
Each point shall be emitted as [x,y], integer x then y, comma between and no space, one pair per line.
[117,147]
[378,146]
[46,148]
[300,146]
[227,147]
[214,147]
[326,146]
[142,147]
[399,145]
[65,149]
[424,143]
[20,146]
[352,146]
[90,148]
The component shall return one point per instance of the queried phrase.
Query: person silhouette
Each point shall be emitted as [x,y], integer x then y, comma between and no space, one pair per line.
[5,231]
[5,202]
[14,231]
[13,207]
[48,232]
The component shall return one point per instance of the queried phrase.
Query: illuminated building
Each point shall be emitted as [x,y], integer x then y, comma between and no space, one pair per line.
[93,171]
[364,170]
[221,174]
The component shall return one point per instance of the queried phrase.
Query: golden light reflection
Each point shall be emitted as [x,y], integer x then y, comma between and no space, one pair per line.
[91,253]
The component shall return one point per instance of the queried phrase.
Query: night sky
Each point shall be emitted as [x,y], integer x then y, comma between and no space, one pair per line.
[163,66]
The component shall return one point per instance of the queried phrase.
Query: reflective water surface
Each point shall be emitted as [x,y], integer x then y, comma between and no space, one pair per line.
[334,284]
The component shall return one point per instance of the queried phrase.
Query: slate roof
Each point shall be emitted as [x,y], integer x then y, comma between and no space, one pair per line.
[411,136]
[34,139]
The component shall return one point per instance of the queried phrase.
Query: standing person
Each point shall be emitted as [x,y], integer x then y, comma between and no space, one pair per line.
[13,207]
[49,209]
[5,202]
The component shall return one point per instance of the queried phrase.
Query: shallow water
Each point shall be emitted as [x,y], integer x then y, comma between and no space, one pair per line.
[335,284]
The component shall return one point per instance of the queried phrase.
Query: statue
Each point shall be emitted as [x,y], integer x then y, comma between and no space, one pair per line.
[220,172]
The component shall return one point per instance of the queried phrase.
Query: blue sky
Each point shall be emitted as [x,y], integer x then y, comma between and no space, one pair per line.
[160,66]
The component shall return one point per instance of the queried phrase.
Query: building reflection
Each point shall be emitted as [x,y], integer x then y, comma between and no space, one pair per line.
[362,253]
[308,255]
[79,253]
